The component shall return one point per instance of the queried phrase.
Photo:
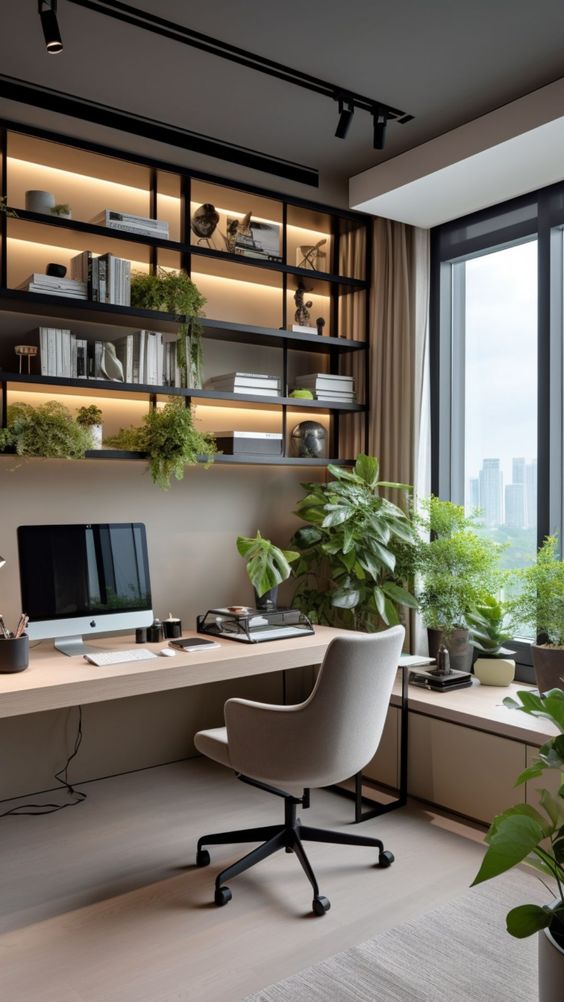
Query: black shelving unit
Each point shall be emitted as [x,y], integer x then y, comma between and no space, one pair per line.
[296,214]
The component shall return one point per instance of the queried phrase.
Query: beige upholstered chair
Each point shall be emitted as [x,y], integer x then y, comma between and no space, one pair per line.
[326,739]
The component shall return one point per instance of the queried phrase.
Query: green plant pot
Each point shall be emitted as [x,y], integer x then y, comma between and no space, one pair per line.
[548,663]
[267,601]
[456,642]
[551,968]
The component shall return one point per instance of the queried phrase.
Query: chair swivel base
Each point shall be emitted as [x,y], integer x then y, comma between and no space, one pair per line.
[290,837]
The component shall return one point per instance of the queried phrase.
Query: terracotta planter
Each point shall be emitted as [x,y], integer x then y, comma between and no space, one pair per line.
[456,642]
[551,968]
[549,667]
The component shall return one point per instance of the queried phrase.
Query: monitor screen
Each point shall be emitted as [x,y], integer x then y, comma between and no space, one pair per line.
[97,574]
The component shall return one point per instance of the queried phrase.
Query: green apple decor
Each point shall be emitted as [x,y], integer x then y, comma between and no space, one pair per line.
[302,395]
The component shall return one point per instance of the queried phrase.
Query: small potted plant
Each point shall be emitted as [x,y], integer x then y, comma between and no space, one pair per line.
[267,567]
[540,605]
[91,418]
[46,430]
[524,834]
[62,210]
[489,631]
[454,569]
[175,292]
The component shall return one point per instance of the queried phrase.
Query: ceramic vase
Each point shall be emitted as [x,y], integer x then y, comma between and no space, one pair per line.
[494,671]
[456,642]
[551,968]
[96,433]
[549,667]
[39,201]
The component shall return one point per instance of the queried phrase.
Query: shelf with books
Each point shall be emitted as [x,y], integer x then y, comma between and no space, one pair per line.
[121,455]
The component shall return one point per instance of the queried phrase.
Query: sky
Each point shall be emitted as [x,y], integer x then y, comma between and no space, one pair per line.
[501,358]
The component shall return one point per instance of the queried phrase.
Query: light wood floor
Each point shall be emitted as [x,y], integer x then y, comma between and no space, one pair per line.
[102,902]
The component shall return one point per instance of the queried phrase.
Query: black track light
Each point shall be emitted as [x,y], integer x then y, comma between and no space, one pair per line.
[380,120]
[346,112]
[48,14]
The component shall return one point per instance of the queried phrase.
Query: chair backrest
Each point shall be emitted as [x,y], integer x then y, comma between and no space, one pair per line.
[346,712]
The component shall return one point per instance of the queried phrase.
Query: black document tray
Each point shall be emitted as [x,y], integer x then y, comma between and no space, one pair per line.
[254,626]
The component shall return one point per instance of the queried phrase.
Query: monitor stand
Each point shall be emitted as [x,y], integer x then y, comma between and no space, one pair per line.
[73,645]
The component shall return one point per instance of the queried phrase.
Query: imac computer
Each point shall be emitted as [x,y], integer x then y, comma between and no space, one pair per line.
[83,579]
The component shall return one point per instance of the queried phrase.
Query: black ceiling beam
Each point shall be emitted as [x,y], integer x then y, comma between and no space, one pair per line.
[92,111]
[180,33]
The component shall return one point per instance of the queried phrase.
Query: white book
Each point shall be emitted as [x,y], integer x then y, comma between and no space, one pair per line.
[113,216]
[73,351]
[303,330]
[331,379]
[248,391]
[52,351]
[54,282]
[56,292]
[66,369]
[274,436]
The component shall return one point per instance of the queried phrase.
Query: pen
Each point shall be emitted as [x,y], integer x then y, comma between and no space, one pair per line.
[23,621]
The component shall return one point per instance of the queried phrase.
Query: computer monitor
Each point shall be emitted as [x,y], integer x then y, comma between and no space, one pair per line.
[83,579]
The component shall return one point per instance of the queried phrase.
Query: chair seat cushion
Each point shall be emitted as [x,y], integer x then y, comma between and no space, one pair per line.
[213,743]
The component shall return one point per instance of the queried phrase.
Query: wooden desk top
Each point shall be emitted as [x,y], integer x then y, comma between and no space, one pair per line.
[54,680]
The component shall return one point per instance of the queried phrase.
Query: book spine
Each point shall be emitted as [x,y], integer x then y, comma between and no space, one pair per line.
[81,359]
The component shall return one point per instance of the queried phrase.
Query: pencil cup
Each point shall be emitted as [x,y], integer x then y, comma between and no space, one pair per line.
[172,628]
[14,654]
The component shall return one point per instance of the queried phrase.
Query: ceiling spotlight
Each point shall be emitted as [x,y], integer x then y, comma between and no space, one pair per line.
[346,112]
[48,14]
[380,120]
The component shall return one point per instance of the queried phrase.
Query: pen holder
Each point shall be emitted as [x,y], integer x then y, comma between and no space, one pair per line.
[14,654]
[172,629]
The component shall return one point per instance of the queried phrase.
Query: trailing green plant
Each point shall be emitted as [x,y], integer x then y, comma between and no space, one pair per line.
[348,569]
[540,599]
[61,209]
[89,416]
[5,210]
[46,430]
[489,628]
[525,834]
[455,568]
[267,565]
[175,292]
[170,439]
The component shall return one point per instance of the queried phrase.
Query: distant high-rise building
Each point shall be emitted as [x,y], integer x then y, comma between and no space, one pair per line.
[491,492]
[518,470]
[515,506]
[474,492]
[531,494]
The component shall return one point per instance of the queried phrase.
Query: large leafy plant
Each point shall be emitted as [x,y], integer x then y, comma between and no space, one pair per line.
[348,550]
[489,628]
[46,430]
[540,602]
[525,834]
[175,292]
[455,567]
[170,439]
[267,565]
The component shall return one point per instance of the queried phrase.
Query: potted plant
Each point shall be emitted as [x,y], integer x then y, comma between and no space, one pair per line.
[91,418]
[488,633]
[267,567]
[62,210]
[46,430]
[540,605]
[455,569]
[525,834]
[175,292]
[170,439]
[348,570]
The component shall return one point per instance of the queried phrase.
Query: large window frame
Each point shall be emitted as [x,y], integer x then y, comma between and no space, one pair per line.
[537,215]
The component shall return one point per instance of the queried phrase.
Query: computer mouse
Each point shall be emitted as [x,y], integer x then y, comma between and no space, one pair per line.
[167,652]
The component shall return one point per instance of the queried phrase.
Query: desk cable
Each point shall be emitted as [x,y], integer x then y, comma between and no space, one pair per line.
[62,777]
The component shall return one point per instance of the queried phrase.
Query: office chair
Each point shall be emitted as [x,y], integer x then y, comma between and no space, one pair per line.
[286,750]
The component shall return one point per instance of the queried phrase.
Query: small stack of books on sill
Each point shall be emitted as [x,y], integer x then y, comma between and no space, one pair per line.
[143,226]
[69,288]
[249,443]
[107,278]
[328,387]
[250,383]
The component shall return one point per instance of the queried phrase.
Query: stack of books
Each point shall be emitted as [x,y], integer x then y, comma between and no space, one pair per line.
[107,278]
[149,357]
[60,352]
[325,386]
[141,225]
[70,288]
[249,443]
[250,383]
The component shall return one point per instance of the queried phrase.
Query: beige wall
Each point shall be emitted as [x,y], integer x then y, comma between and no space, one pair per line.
[191,532]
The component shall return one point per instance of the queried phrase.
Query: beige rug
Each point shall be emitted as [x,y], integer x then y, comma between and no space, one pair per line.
[457,953]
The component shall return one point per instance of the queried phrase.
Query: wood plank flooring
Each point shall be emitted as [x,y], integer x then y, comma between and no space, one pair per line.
[102,902]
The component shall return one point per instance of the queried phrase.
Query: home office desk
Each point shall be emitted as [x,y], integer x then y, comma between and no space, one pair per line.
[54,681]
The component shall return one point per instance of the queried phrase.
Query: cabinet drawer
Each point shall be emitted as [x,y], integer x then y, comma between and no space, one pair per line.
[462,769]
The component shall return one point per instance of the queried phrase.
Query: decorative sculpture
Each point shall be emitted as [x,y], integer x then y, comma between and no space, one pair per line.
[204,222]
[302,314]
[310,255]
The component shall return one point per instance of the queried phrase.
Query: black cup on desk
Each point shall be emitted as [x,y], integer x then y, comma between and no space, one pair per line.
[172,628]
[14,654]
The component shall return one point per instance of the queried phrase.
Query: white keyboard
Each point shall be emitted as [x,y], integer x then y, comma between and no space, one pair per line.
[102,658]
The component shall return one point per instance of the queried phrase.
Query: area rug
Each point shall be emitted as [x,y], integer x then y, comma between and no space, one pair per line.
[459,952]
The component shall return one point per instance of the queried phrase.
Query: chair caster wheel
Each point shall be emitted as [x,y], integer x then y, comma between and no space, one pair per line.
[222,896]
[386,858]
[202,857]
[320,904]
